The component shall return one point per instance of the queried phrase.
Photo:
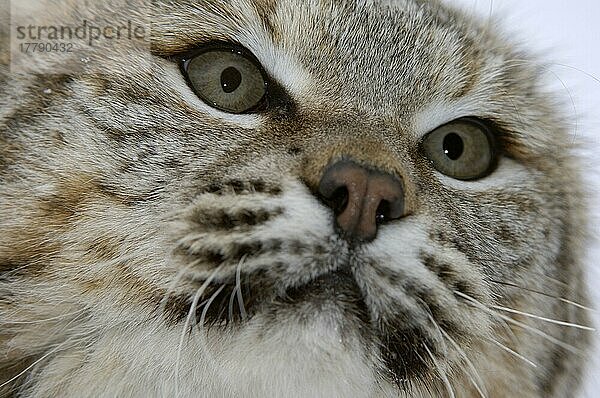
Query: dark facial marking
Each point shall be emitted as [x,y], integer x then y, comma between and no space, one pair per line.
[224,219]
[240,187]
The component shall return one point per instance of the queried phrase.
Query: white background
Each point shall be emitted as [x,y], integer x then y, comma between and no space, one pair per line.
[566,33]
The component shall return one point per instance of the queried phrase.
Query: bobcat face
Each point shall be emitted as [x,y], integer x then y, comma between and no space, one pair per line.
[303,238]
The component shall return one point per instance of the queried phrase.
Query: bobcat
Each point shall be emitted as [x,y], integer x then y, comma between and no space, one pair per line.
[358,198]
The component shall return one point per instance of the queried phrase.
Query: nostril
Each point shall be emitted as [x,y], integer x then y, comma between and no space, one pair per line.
[339,200]
[382,213]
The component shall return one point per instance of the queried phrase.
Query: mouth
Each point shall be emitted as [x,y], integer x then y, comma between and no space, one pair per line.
[336,295]
[335,287]
[236,299]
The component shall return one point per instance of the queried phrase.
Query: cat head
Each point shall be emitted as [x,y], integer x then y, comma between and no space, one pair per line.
[328,197]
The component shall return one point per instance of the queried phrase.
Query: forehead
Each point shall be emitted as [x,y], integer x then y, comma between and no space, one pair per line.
[371,53]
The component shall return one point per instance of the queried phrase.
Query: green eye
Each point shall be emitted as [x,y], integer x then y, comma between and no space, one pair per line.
[463,149]
[228,79]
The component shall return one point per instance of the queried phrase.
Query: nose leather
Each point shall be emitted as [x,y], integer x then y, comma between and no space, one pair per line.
[362,198]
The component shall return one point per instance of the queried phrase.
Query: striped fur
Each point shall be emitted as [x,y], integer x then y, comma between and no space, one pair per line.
[153,246]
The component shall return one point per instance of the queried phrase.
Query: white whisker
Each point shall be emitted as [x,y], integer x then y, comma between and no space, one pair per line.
[238,288]
[563,84]
[186,326]
[46,355]
[478,384]
[171,288]
[232,297]
[207,305]
[541,318]
[513,352]
[531,329]
[461,352]
[564,300]
[441,372]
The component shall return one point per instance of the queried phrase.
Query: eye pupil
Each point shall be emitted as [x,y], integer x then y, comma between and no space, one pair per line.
[453,146]
[231,78]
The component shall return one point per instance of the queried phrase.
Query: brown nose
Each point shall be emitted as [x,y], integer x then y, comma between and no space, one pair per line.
[361,198]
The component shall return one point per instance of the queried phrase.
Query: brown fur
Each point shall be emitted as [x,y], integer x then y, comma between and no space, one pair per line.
[122,196]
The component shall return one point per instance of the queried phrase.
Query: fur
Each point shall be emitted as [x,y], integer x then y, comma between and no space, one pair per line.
[154,246]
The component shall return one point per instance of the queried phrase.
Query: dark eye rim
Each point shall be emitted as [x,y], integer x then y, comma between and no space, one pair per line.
[185,58]
[491,134]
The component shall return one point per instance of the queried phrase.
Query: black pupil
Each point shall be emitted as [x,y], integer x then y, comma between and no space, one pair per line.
[453,146]
[231,78]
